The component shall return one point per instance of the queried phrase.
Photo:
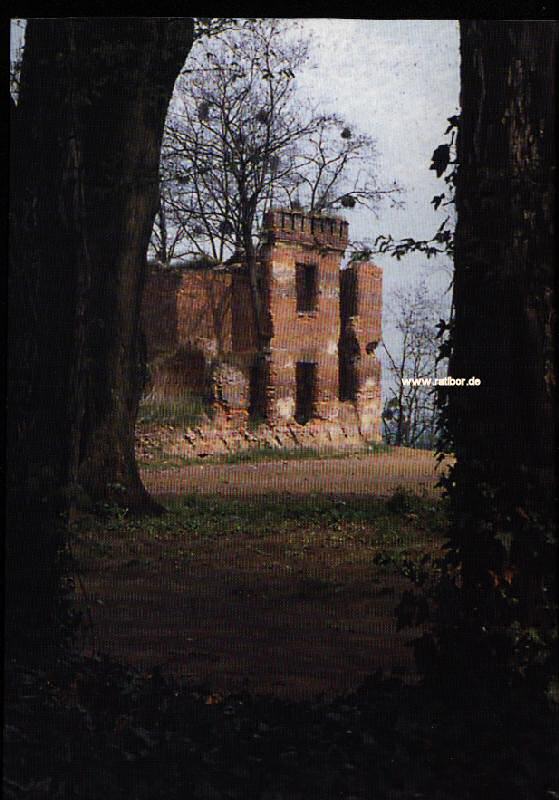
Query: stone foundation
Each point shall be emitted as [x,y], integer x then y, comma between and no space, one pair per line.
[220,440]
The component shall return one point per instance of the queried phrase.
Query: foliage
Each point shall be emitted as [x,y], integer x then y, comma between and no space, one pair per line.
[208,27]
[94,728]
[508,652]
[442,241]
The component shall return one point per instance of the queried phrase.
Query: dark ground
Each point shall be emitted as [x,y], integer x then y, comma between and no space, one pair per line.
[250,607]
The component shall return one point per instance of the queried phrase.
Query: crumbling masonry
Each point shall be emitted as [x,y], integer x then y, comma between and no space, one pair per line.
[320,375]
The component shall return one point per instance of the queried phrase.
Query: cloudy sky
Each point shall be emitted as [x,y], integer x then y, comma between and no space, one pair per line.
[397,80]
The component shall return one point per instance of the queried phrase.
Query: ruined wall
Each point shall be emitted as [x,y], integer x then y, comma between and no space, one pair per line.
[243,328]
[310,336]
[188,320]
[320,378]
[360,334]
[184,306]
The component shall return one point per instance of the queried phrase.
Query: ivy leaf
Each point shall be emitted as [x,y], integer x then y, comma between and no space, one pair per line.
[454,121]
[440,159]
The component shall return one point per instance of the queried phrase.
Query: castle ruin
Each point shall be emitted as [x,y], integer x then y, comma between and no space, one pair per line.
[320,376]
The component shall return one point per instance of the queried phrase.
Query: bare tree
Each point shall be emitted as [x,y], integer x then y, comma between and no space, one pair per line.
[234,116]
[233,120]
[335,169]
[409,415]
[239,140]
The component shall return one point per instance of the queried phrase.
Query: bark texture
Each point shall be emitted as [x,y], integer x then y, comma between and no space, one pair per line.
[86,143]
[504,242]
[86,136]
[503,430]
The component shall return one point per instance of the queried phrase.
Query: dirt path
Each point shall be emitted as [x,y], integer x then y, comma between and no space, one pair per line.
[246,613]
[279,596]
[379,474]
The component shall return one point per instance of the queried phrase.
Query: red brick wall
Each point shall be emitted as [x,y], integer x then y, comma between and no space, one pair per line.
[187,307]
[311,336]
[186,317]
[242,315]
[361,332]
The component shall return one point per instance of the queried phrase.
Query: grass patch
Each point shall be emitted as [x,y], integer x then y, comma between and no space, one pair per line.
[367,521]
[269,453]
[188,411]
[262,453]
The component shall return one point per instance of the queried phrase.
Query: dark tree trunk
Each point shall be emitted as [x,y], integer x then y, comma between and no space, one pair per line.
[87,136]
[504,242]
[504,276]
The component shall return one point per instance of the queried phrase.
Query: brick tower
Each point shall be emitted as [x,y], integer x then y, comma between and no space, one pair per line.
[320,334]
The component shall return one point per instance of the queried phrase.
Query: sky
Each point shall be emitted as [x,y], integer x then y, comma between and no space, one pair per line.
[398,81]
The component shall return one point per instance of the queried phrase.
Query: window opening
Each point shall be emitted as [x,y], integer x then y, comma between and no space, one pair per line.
[258,397]
[307,287]
[306,379]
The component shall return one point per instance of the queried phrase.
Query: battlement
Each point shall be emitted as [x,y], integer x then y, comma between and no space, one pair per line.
[290,225]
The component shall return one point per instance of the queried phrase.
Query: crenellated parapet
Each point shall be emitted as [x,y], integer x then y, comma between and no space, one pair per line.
[313,230]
